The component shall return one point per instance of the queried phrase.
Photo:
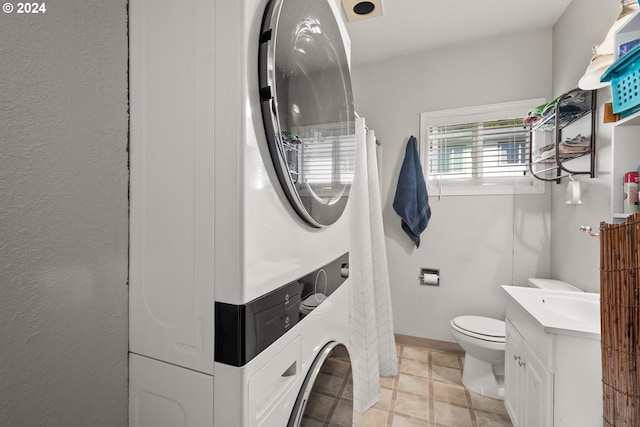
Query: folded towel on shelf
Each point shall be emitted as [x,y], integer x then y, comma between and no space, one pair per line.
[532,120]
[549,108]
[570,147]
[411,201]
[543,153]
[577,145]
[567,149]
[575,100]
[578,140]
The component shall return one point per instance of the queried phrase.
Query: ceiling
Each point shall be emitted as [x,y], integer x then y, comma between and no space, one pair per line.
[409,26]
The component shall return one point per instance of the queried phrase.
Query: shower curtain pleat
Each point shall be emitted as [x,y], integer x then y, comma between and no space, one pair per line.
[386,340]
[371,315]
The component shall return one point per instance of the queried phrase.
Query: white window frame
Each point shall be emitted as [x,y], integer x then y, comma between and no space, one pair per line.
[477,185]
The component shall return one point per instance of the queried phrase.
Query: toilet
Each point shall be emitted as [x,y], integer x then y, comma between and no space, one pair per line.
[483,340]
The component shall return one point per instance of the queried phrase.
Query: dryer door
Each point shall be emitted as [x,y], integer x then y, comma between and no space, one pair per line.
[326,397]
[307,106]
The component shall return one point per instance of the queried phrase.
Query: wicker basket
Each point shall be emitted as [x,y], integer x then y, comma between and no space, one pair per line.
[620,321]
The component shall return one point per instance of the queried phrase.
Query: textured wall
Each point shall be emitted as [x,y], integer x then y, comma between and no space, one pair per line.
[473,240]
[575,257]
[63,215]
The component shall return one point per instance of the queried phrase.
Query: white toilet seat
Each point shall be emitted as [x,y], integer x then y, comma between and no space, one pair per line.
[482,328]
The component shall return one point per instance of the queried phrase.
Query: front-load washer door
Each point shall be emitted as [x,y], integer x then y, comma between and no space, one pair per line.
[326,397]
[307,106]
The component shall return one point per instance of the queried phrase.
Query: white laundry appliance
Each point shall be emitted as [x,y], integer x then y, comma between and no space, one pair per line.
[242,155]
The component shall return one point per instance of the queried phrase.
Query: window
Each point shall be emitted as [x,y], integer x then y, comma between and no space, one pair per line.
[478,150]
[326,160]
[325,154]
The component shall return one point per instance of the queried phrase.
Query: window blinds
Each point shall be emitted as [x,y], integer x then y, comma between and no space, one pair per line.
[325,155]
[488,149]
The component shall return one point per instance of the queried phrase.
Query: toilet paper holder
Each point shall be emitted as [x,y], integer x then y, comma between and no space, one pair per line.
[430,276]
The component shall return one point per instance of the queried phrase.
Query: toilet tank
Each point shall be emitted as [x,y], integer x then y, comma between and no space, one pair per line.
[557,285]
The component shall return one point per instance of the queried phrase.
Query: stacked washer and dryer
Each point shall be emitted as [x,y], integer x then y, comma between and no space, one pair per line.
[242,156]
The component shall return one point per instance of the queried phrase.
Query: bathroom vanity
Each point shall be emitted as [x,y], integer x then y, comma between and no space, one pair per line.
[553,369]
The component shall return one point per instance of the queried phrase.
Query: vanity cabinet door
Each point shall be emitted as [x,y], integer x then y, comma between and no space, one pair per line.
[528,394]
[537,388]
[513,375]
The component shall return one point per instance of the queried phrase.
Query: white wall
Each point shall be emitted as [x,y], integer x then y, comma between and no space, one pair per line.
[63,215]
[574,256]
[470,239]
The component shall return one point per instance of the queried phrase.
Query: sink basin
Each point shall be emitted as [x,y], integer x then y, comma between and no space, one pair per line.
[563,312]
[575,308]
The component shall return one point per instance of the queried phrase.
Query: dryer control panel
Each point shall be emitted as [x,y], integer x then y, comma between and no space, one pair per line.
[243,331]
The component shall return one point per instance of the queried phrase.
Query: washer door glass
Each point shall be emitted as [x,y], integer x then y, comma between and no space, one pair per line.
[326,397]
[307,107]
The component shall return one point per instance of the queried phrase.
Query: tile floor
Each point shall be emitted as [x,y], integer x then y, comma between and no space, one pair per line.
[428,392]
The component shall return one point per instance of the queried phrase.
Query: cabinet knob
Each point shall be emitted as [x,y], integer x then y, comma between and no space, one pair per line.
[521,363]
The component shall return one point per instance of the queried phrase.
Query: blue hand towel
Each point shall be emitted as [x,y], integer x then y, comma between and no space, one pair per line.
[412,201]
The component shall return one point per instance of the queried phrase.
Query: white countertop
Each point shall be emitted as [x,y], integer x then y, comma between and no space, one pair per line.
[560,312]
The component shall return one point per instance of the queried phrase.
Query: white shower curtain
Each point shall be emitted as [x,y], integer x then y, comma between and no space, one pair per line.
[371,316]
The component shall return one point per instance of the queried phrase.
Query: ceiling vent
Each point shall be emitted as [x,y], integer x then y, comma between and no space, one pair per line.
[357,10]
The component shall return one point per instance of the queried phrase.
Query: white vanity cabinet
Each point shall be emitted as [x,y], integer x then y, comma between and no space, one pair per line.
[528,383]
[553,376]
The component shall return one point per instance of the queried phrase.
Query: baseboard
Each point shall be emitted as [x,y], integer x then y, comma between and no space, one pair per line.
[450,347]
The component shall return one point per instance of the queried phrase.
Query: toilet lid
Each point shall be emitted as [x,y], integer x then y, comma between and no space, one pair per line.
[485,327]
